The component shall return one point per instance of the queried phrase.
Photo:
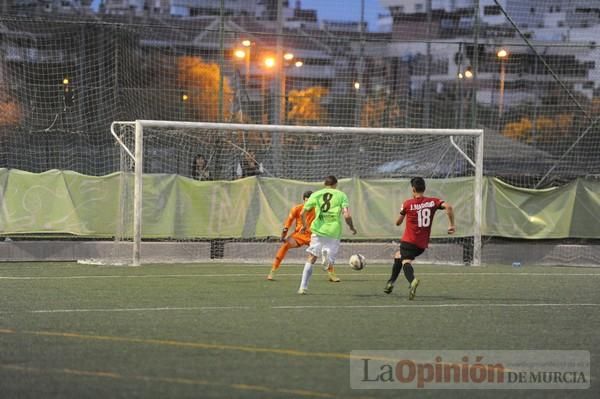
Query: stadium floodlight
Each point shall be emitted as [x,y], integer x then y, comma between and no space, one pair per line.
[236,217]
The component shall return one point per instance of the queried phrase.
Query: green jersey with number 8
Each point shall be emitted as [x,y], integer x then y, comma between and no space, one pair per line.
[328,204]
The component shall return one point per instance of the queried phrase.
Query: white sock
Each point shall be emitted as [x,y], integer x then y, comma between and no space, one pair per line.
[306,273]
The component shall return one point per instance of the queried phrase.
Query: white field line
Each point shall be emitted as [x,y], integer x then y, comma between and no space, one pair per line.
[303,307]
[352,274]
[158,309]
[439,305]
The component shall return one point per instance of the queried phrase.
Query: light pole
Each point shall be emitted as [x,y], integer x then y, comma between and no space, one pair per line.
[244,54]
[467,74]
[247,44]
[287,62]
[268,64]
[502,55]
[184,99]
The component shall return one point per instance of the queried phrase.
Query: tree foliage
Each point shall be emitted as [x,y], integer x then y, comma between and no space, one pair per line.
[380,111]
[10,113]
[305,106]
[543,129]
[199,81]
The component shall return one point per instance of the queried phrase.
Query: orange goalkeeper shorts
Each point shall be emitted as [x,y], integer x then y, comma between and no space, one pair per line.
[301,239]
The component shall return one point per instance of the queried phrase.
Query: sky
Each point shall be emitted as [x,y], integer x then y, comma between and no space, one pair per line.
[345,10]
[338,10]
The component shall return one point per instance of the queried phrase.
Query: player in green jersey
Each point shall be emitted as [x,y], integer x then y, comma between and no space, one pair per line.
[330,205]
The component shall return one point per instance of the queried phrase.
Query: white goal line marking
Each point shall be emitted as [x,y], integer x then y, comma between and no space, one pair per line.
[558,274]
[287,307]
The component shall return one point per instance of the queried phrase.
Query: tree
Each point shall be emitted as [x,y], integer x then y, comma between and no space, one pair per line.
[380,111]
[10,113]
[199,85]
[305,106]
[545,128]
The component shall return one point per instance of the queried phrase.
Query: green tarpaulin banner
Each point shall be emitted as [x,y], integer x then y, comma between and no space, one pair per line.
[64,202]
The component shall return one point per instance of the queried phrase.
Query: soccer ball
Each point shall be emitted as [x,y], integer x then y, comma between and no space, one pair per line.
[357,262]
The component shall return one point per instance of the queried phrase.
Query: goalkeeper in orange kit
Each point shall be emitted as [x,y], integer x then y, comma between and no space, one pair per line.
[296,239]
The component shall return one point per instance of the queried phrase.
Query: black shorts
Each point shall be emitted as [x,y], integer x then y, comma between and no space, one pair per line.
[410,251]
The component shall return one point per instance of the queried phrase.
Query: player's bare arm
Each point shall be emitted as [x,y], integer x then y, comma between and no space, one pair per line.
[400,219]
[348,219]
[450,214]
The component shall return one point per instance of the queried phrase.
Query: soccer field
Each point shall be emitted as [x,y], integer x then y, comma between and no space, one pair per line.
[223,331]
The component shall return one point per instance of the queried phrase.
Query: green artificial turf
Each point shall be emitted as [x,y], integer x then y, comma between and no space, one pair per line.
[223,331]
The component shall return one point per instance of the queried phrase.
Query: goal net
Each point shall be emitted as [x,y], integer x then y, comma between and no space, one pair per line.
[208,191]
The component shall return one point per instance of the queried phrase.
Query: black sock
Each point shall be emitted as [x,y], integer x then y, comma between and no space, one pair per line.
[397,268]
[409,272]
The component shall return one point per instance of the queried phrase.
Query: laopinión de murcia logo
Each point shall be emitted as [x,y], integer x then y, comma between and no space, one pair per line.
[470,369]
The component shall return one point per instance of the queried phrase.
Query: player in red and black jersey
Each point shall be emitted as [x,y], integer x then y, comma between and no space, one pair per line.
[418,212]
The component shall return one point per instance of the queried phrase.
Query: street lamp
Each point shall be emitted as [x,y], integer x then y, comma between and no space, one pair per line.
[467,74]
[288,61]
[184,97]
[247,44]
[269,62]
[239,54]
[243,55]
[502,54]
[68,94]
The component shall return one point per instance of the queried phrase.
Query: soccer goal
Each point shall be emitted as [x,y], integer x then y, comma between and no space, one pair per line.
[230,205]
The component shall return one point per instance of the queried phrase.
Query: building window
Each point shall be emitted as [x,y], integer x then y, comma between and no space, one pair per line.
[491,10]
[532,10]
[588,85]
[419,7]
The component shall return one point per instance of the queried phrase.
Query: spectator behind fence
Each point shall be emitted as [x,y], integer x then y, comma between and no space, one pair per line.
[249,166]
[200,168]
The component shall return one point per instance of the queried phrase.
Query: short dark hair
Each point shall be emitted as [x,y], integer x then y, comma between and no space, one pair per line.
[418,183]
[330,180]
[306,194]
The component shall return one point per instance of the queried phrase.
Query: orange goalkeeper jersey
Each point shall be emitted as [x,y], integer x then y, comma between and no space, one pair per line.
[295,215]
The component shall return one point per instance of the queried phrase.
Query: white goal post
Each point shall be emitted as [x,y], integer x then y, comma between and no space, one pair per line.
[134,150]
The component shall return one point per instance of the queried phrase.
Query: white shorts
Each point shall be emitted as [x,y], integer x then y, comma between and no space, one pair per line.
[326,247]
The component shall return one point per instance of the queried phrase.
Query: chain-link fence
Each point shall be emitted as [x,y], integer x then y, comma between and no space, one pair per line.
[532,85]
